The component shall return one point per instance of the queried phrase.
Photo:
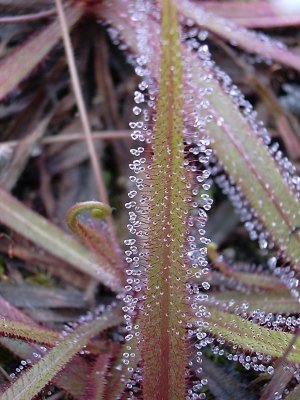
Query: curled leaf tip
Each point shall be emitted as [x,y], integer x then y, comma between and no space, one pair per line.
[96,209]
[100,212]
[212,246]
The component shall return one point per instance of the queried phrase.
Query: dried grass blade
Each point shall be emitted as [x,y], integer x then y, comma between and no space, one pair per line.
[18,65]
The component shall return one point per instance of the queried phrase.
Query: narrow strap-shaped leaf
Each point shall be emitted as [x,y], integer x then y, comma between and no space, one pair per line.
[40,231]
[266,282]
[120,372]
[241,36]
[250,336]
[27,332]
[164,350]
[32,381]
[237,146]
[275,302]
[256,14]
[96,382]
[250,165]
[73,377]
[69,379]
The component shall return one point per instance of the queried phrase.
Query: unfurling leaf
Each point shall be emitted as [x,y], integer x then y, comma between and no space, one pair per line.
[98,241]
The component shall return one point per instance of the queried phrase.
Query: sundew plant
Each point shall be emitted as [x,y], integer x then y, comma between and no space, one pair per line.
[176,307]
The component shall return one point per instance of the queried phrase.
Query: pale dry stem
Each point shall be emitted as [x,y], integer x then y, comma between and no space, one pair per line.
[82,110]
